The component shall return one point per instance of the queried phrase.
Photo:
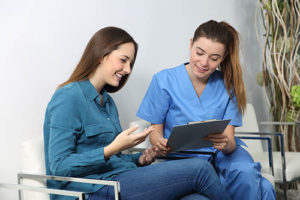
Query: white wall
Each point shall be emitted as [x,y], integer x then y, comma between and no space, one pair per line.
[41,42]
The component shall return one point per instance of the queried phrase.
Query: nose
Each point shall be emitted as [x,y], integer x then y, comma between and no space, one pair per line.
[127,68]
[204,61]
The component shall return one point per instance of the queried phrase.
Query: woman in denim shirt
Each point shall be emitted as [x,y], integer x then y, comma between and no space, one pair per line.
[83,136]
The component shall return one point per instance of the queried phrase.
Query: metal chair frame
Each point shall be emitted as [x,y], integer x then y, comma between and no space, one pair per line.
[282,152]
[80,195]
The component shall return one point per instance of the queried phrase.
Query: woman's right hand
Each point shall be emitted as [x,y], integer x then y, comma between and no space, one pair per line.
[126,140]
[163,149]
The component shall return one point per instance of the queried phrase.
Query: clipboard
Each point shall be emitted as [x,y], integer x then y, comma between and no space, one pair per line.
[190,136]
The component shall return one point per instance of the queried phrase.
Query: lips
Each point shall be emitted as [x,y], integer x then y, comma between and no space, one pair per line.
[201,69]
[119,76]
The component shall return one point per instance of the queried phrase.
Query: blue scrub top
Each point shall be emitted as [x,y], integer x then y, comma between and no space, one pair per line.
[76,130]
[172,100]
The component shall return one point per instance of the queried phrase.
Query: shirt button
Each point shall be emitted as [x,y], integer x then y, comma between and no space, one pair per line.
[108,118]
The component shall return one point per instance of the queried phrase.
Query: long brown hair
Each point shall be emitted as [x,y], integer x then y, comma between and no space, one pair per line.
[230,67]
[100,45]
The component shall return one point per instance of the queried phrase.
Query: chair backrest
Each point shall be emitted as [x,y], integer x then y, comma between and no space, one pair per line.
[33,162]
[250,125]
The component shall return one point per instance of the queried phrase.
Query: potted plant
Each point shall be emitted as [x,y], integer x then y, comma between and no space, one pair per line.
[281,61]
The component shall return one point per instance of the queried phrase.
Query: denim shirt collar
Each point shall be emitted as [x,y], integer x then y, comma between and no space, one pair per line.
[90,91]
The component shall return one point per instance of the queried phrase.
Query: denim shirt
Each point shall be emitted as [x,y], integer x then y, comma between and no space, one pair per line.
[76,130]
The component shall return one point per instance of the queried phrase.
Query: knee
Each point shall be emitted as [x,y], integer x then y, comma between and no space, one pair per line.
[267,188]
[248,172]
[201,171]
[200,163]
[196,165]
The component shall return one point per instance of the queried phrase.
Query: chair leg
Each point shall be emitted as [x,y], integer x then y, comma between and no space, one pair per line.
[285,190]
[20,192]
[282,193]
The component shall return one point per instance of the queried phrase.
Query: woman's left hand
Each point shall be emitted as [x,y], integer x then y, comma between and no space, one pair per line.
[219,140]
[148,156]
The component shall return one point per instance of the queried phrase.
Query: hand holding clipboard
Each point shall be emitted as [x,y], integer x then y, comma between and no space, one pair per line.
[192,135]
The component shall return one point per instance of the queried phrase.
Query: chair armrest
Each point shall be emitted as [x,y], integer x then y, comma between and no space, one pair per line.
[80,195]
[278,123]
[282,151]
[115,184]
[280,135]
[136,149]
[270,150]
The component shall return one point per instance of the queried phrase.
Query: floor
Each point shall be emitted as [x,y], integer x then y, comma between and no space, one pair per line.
[291,194]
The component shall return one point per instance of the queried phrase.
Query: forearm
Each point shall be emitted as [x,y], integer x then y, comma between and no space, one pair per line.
[126,140]
[154,137]
[231,145]
[110,150]
[73,164]
[156,134]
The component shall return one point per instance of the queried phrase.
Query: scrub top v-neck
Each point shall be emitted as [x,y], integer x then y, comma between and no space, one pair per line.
[172,100]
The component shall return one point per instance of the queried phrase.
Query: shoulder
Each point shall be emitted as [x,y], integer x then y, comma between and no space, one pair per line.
[169,73]
[67,92]
[68,96]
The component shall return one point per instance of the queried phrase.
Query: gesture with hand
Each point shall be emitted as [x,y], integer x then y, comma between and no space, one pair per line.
[148,156]
[126,140]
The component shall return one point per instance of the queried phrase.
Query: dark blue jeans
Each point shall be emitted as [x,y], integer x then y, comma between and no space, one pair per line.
[187,179]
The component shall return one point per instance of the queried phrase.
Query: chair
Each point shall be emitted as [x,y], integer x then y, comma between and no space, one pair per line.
[250,135]
[286,165]
[32,181]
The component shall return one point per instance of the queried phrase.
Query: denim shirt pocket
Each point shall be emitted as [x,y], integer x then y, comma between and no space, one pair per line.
[94,130]
[100,134]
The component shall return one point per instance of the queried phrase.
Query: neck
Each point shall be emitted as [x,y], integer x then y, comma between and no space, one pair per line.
[98,85]
[194,79]
[198,83]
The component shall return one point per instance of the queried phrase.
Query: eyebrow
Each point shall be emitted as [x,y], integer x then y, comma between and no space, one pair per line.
[215,54]
[126,57]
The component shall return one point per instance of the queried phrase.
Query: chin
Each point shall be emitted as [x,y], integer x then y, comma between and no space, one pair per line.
[116,84]
[202,75]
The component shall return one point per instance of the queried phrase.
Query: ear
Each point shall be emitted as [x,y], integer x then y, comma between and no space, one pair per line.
[225,55]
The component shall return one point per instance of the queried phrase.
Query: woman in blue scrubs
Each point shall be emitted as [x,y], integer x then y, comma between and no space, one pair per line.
[83,136]
[209,86]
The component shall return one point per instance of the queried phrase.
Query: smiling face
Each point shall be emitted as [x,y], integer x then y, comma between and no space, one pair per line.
[114,67]
[206,56]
